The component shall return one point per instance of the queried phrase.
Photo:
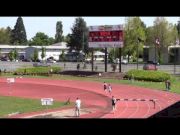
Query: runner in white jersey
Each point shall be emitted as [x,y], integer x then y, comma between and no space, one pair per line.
[77,107]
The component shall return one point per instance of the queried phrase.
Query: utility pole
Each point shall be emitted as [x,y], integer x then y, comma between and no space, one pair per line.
[137,52]
[106,59]
[120,59]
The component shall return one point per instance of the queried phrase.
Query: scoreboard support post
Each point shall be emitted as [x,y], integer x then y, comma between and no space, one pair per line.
[106,59]
[92,60]
[120,60]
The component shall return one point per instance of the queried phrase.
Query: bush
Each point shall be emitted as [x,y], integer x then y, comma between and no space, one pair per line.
[146,75]
[37,71]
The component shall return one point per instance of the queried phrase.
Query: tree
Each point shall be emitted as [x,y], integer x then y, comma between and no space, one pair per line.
[19,33]
[134,30]
[35,55]
[11,55]
[78,40]
[150,36]
[113,54]
[41,39]
[62,56]
[166,33]
[15,54]
[178,29]
[5,35]
[0,53]
[67,38]
[59,32]
[43,53]
[51,41]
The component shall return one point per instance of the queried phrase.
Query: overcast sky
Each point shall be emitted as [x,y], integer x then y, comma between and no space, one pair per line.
[48,24]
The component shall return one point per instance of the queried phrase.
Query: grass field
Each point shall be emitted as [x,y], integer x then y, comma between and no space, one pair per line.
[175,81]
[10,105]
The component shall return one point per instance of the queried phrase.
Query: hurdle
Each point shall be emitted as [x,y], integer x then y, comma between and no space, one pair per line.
[151,100]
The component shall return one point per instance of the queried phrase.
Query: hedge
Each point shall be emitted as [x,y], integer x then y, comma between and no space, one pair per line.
[37,71]
[147,75]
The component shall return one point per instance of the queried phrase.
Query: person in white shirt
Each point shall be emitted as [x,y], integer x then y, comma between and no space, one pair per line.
[110,88]
[77,107]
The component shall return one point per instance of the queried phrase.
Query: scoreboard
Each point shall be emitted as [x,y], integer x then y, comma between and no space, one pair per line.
[105,36]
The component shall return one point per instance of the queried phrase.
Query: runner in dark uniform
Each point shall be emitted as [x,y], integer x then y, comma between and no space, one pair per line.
[105,86]
[114,101]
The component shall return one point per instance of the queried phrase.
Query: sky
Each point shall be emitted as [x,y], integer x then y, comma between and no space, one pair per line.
[48,24]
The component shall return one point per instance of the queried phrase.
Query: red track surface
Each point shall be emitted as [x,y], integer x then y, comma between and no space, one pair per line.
[92,96]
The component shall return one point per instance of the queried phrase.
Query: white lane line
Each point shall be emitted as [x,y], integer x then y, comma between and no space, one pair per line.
[149,107]
[119,114]
[137,108]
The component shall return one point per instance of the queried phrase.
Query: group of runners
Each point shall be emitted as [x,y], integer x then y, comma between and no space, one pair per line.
[107,88]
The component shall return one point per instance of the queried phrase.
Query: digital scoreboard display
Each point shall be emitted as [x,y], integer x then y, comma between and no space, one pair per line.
[105,36]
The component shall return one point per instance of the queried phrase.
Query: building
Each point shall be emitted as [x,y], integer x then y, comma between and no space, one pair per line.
[26,52]
[169,54]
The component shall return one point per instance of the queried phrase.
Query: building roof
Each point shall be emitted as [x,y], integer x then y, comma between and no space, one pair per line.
[14,46]
[62,45]
[59,44]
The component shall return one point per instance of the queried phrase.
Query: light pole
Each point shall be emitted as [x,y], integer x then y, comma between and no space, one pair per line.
[155,55]
[105,59]
[174,60]
[157,43]
[138,51]
[83,41]
[120,59]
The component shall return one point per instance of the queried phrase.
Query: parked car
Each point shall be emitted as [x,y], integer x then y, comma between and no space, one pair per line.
[124,61]
[26,60]
[149,67]
[51,61]
[4,59]
[152,62]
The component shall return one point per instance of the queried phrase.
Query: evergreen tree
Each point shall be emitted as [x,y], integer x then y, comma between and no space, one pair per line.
[19,33]
[78,40]
[59,32]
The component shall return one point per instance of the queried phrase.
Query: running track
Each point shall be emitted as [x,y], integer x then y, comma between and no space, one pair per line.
[92,96]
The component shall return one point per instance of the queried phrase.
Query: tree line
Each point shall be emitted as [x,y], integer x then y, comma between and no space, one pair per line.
[136,34]
[17,36]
